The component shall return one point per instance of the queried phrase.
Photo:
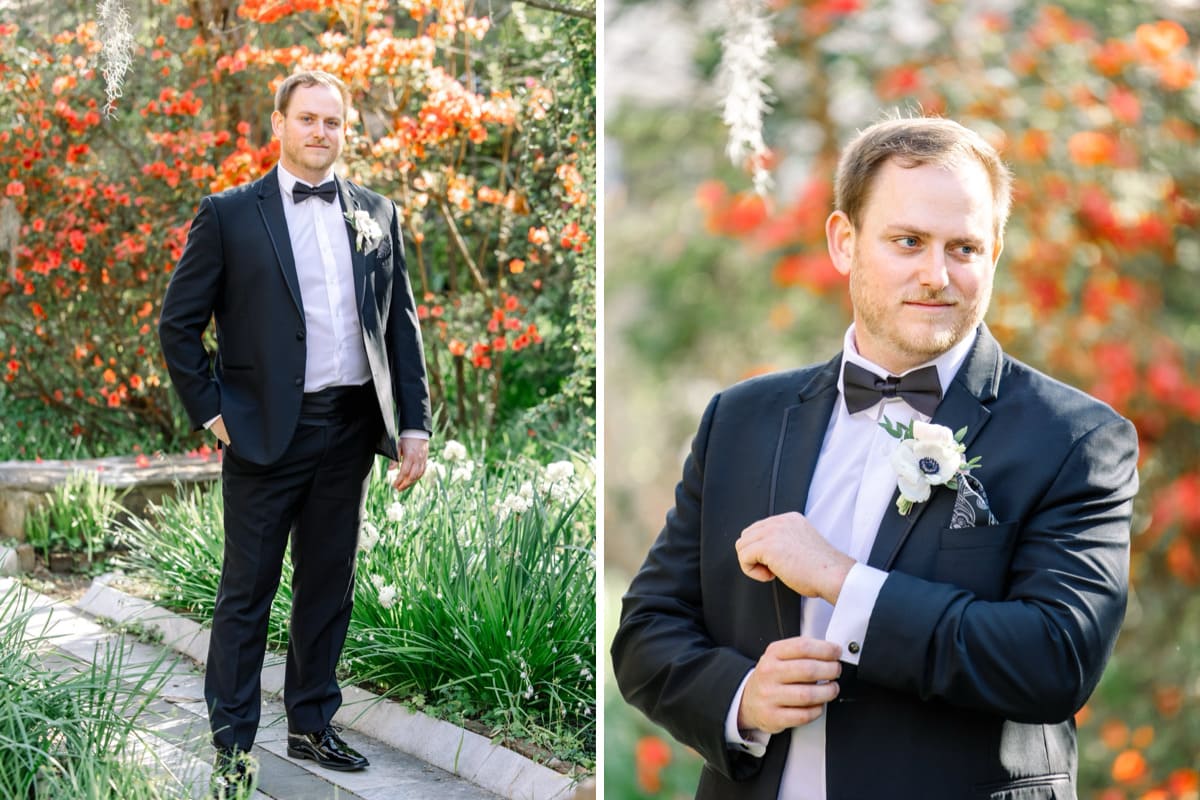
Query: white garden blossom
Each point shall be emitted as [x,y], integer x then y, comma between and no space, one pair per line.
[462,472]
[395,512]
[387,596]
[115,32]
[454,451]
[745,46]
[436,469]
[559,471]
[518,502]
[368,537]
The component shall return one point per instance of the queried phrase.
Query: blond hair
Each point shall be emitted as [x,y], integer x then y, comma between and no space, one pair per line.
[283,95]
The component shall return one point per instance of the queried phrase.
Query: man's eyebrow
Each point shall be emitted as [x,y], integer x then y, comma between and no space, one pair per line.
[912,230]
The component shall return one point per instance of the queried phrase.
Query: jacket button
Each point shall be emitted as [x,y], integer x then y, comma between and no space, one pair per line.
[300,335]
[299,381]
[853,648]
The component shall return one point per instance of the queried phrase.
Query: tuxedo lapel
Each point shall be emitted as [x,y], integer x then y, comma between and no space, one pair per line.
[964,405]
[270,206]
[802,431]
[351,202]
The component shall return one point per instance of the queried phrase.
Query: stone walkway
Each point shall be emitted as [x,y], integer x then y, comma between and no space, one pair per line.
[179,743]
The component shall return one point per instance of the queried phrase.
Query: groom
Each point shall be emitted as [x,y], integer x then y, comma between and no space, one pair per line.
[808,638]
[318,367]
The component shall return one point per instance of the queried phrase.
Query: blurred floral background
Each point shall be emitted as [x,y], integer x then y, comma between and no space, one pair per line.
[1096,106]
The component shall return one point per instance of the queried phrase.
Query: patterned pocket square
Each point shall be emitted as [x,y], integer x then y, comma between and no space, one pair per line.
[971,507]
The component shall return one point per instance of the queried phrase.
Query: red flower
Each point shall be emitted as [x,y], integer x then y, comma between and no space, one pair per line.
[651,754]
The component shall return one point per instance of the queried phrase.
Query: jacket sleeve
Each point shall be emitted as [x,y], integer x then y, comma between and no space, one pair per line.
[665,662]
[1036,654]
[410,384]
[186,312]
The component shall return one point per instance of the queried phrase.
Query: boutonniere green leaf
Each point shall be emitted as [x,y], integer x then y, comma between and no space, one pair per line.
[926,456]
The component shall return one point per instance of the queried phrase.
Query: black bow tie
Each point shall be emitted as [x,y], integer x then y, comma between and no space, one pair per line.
[302,191]
[863,388]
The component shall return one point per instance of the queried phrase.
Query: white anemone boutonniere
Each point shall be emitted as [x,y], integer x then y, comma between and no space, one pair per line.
[927,456]
[368,230]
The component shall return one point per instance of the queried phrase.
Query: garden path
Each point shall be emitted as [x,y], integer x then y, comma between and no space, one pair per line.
[176,718]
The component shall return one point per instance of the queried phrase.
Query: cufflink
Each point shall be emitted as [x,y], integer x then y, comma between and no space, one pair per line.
[853,647]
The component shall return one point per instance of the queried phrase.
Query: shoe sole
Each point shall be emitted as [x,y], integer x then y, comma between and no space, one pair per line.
[294,753]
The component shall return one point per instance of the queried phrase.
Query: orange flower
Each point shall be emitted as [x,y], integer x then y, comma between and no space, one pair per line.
[651,754]
[1177,75]
[1184,781]
[1114,734]
[1129,766]
[457,348]
[1160,40]
[1091,148]
[14,189]
[1143,737]
[110,376]
[516,266]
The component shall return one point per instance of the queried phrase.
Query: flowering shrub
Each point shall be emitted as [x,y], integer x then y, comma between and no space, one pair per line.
[481,136]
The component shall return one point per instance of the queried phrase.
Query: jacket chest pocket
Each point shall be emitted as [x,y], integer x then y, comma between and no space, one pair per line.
[976,559]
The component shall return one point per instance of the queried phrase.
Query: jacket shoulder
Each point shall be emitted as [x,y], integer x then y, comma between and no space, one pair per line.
[1073,409]
[776,389]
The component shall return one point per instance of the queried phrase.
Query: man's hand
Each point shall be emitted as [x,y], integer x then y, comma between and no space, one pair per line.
[788,547]
[786,688]
[414,454]
[218,429]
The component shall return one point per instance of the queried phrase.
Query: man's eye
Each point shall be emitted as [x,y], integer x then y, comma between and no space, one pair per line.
[908,241]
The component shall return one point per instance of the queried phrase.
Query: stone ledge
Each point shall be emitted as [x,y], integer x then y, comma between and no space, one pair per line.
[437,742]
[120,472]
[25,484]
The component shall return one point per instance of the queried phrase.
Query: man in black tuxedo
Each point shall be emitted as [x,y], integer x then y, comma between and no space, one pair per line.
[319,366]
[807,630]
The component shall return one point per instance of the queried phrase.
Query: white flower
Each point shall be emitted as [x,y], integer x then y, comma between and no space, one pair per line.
[745,46]
[926,456]
[368,230]
[395,512]
[437,469]
[454,451]
[559,471]
[368,536]
[387,596]
[462,472]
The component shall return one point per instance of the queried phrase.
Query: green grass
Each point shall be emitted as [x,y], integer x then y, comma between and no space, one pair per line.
[474,599]
[66,731]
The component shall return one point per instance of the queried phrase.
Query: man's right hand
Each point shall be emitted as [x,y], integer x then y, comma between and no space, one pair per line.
[791,684]
[218,429]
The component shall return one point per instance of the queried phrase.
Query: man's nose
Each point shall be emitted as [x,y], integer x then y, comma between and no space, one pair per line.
[934,270]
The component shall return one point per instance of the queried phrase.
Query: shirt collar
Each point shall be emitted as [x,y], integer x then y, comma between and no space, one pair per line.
[287,180]
[948,363]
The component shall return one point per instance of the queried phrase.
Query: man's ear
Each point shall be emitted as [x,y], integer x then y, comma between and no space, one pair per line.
[277,123]
[839,237]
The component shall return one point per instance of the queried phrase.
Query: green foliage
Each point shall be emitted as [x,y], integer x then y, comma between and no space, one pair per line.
[475,591]
[78,516]
[67,730]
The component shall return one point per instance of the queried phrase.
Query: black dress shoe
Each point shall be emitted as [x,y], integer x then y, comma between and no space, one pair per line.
[327,749]
[233,774]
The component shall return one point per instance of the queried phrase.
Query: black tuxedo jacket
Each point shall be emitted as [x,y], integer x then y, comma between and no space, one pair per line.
[983,643]
[238,267]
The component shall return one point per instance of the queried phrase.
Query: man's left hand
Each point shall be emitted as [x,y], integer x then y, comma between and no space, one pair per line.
[414,455]
[788,547]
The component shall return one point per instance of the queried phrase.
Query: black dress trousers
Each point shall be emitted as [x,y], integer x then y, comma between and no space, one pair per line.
[315,494]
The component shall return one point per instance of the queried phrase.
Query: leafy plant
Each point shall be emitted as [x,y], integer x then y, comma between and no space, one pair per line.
[78,516]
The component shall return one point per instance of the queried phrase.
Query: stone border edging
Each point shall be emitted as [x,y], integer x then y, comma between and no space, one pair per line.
[435,741]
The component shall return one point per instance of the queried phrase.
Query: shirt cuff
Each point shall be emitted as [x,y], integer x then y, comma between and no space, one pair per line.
[209,424]
[754,742]
[848,625]
[414,433]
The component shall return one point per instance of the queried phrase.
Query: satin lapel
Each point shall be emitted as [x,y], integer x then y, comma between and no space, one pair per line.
[270,206]
[964,405]
[801,433]
[351,202]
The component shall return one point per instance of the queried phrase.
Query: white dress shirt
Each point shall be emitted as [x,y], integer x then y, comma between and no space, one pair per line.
[334,351]
[850,491]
